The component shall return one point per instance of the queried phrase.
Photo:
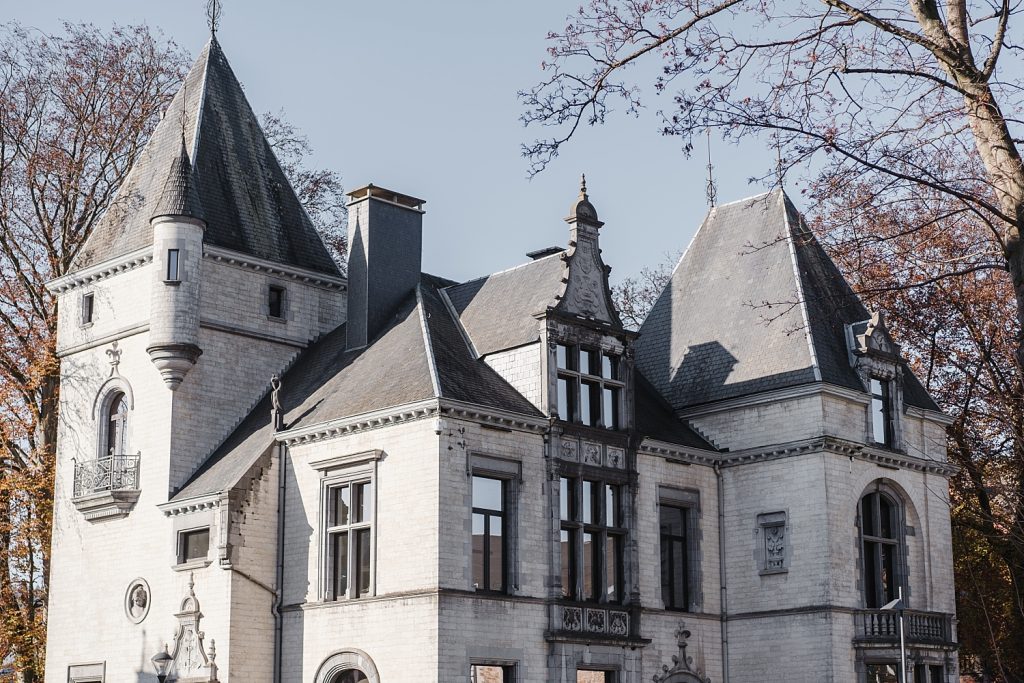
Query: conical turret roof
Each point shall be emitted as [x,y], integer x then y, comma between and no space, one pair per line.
[239,187]
[179,197]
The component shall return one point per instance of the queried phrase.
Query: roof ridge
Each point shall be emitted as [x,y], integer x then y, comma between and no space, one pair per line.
[506,270]
[428,346]
[801,297]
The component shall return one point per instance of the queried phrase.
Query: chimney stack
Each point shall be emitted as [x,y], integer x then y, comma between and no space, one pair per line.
[385,241]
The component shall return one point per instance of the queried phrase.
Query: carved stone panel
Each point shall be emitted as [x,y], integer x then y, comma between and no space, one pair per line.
[595,620]
[618,623]
[570,450]
[572,618]
[615,457]
[591,453]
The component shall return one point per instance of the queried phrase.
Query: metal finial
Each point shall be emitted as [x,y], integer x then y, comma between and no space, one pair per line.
[213,12]
[583,184]
[712,190]
[780,174]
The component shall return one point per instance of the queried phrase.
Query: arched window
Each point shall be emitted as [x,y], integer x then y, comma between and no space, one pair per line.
[350,676]
[116,418]
[880,518]
[347,666]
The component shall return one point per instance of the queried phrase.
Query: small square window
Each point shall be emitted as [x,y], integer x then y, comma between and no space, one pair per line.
[193,545]
[172,265]
[275,302]
[595,676]
[88,301]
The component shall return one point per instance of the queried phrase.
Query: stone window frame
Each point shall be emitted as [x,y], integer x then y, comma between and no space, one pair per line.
[765,521]
[902,567]
[572,373]
[179,547]
[577,527]
[104,401]
[172,278]
[510,473]
[277,286]
[510,669]
[346,660]
[87,309]
[185,523]
[91,672]
[688,498]
[344,471]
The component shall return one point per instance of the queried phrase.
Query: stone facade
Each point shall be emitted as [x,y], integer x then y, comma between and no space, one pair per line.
[219,530]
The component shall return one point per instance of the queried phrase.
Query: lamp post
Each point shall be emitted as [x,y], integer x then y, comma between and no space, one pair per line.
[897,605]
[162,664]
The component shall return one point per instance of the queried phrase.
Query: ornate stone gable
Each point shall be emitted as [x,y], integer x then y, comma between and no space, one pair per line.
[586,294]
[191,664]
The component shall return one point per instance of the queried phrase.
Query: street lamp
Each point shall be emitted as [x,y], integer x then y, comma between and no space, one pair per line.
[162,663]
[897,605]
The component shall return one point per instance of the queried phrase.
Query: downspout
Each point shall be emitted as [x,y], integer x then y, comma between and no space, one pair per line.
[724,608]
[277,416]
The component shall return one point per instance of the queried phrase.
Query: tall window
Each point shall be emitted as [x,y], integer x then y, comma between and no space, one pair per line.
[592,540]
[117,424]
[929,673]
[881,411]
[883,673]
[349,516]
[880,519]
[675,584]
[172,265]
[88,302]
[589,386]
[275,302]
[490,570]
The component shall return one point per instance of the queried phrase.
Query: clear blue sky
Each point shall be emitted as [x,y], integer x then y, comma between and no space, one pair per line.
[420,97]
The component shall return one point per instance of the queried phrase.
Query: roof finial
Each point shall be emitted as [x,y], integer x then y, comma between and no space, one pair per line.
[712,190]
[780,173]
[583,185]
[213,11]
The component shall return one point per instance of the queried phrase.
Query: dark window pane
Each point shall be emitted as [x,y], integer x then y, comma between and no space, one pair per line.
[888,578]
[593,677]
[672,520]
[339,565]
[117,422]
[565,357]
[195,544]
[613,572]
[496,558]
[487,493]
[87,305]
[275,302]
[480,673]
[878,420]
[590,586]
[680,592]
[590,403]
[172,265]
[567,398]
[674,557]
[886,512]
[565,499]
[360,503]
[587,366]
[589,490]
[568,547]
[351,676]
[883,673]
[340,506]
[868,521]
[363,561]
[936,674]
[478,551]
[871,578]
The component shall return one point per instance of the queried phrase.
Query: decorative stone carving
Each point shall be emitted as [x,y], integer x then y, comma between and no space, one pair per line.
[596,619]
[114,354]
[137,601]
[591,453]
[682,669]
[572,618]
[570,450]
[615,457]
[190,662]
[618,623]
[774,546]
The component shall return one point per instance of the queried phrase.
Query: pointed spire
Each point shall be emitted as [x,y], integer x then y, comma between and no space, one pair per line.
[582,210]
[179,196]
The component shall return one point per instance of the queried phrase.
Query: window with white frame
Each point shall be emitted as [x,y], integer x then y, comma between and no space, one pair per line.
[193,545]
[87,308]
[348,539]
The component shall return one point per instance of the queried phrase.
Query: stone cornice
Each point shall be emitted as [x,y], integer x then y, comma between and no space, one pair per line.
[359,423]
[240,260]
[677,453]
[492,416]
[116,335]
[181,507]
[101,271]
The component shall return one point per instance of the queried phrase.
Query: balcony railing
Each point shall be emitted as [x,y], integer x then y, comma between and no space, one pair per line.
[112,473]
[921,627]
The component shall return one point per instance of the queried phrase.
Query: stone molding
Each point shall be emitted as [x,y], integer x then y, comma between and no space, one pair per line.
[240,260]
[101,271]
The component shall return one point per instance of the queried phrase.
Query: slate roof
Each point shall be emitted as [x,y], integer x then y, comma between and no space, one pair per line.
[179,197]
[328,382]
[497,311]
[247,202]
[753,305]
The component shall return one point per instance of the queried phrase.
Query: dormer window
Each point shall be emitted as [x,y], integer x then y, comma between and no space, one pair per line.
[881,411]
[589,386]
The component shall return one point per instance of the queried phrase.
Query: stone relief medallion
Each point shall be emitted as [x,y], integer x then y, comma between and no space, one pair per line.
[570,450]
[591,454]
[618,623]
[137,600]
[572,618]
[616,457]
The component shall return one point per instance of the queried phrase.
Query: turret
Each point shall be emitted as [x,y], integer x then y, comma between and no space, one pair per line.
[177,255]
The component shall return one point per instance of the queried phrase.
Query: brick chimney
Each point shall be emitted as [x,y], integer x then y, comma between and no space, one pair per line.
[385,241]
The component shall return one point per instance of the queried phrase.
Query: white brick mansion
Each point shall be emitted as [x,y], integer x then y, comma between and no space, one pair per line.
[285,475]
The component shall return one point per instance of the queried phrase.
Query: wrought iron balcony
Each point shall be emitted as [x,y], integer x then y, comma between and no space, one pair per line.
[883,626]
[107,487]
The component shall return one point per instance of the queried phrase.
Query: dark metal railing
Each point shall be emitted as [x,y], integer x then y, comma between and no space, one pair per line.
[921,627]
[112,473]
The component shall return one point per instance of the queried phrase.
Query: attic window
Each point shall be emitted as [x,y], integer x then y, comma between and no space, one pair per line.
[87,308]
[881,411]
[193,545]
[275,302]
[589,386]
